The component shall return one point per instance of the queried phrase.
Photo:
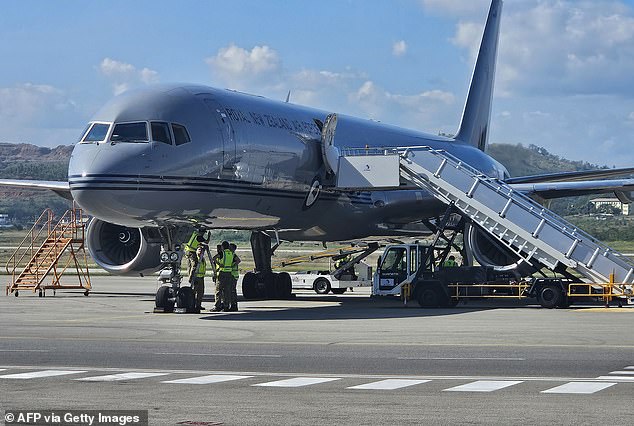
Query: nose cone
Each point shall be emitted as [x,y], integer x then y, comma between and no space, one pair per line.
[104,181]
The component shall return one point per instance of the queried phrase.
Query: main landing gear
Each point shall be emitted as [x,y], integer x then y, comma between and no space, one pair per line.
[264,283]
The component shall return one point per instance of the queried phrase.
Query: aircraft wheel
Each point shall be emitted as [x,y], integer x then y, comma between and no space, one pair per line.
[249,281]
[549,296]
[339,290]
[321,286]
[163,298]
[283,285]
[185,299]
[270,289]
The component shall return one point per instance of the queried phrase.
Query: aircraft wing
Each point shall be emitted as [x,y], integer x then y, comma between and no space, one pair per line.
[60,188]
[571,176]
[622,188]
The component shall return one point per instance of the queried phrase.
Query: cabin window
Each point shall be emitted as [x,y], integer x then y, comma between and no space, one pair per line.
[180,134]
[97,132]
[130,132]
[161,132]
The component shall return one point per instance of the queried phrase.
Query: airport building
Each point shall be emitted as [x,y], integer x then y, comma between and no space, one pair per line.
[612,202]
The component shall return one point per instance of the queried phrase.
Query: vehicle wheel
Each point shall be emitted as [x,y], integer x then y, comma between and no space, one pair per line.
[549,296]
[39,294]
[339,290]
[86,293]
[432,296]
[283,285]
[16,293]
[163,298]
[185,299]
[249,282]
[321,286]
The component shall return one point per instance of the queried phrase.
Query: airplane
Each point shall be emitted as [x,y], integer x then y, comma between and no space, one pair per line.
[155,163]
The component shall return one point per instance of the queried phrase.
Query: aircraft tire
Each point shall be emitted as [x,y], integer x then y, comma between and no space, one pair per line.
[185,299]
[321,286]
[549,296]
[283,285]
[270,287]
[249,282]
[163,298]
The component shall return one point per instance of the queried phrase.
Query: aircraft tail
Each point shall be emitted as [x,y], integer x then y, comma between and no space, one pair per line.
[474,125]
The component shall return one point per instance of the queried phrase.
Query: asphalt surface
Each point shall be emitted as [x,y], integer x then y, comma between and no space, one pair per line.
[317,360]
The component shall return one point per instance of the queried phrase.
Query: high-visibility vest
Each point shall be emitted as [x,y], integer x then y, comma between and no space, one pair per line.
[226,264]
[202,268]
[234,271]
[450,263]
[192,244]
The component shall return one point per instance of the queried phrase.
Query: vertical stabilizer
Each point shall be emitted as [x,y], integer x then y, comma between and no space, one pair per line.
[474,125]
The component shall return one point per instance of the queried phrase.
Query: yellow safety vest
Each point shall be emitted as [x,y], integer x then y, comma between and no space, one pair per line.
[226,264]
[202,268]
[234,271]
[192,244]
[450,263]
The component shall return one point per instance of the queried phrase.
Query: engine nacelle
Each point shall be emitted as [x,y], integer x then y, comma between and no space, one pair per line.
[487,251]
[121,250]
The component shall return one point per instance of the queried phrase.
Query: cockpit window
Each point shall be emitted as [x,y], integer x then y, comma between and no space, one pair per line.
[97,132]
[180,134]
[161,132]
[130,132]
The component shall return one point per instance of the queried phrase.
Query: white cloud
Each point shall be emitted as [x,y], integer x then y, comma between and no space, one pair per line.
[399,48]
[239,67]
[124,76]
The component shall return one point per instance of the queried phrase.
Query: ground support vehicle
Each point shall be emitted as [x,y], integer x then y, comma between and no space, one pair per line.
[323,282]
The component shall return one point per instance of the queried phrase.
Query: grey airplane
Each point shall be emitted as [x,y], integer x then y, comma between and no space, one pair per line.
[154,164]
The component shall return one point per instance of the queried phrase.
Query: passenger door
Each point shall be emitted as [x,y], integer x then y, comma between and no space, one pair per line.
[227,132]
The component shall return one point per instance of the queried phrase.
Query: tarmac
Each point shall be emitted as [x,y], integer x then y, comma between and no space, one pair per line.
[347,359]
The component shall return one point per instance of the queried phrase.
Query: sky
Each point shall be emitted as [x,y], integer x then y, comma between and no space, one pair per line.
[565,72]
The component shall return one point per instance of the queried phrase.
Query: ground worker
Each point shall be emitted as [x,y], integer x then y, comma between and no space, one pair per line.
[198,285]
[197,238]
[215,262]
[349,271]
[235,273]
[225,277]
[450,263]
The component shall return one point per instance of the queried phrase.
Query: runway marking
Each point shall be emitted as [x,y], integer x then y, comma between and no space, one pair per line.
[621,378]
[24,350]
[631,367]
[483,386]
[390,384]
[579,387]
[216,354]
[622,372]
[204,380]
[40,374]
[297,382]
[122,376]
[460,359]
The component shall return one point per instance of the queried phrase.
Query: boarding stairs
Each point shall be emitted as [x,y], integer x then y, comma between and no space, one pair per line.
[532,232]
[47,252]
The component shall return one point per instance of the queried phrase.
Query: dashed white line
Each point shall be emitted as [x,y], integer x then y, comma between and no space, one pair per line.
[619,378]
[389,384]
[122,376]
[218,354]
[461,359]
[623,373]
[631,367]
[40,374]
[297,382]
[204,380]
[24,350]
[579,387]
[484,386]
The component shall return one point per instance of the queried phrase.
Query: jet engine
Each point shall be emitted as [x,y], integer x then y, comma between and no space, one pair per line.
[121,250]
[487,251]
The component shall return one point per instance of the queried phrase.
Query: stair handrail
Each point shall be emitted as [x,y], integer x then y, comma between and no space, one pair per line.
[44,221]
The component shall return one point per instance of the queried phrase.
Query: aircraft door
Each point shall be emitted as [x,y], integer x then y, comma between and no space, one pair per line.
[393,268]
[227,134]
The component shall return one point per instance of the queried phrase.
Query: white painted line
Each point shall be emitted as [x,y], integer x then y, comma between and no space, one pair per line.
[231,355]
[631,367]
[204,380]
[622,373]
[461,359]
[484,386]
[24,350]
[122,376]
[40,374]
[298,382]
[620,378]
[579,387]
[389,384]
